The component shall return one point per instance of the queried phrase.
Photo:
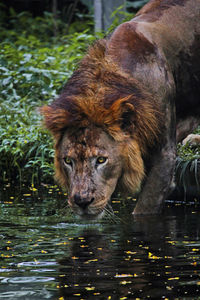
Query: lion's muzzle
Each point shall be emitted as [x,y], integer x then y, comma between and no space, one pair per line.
[83,203]
[87,207]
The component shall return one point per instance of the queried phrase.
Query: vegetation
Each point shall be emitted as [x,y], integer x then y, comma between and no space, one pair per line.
[34,65]
[188,169]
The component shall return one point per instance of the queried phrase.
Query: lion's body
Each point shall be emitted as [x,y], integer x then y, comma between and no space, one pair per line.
[123,105]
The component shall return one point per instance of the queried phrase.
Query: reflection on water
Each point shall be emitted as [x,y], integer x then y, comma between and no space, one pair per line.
[47,254]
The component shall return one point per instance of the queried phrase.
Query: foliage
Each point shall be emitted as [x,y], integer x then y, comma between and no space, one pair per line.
[119,16]
[136,4]
[188,166]
[189,152]
[45,28]
[188,177]
[33,68]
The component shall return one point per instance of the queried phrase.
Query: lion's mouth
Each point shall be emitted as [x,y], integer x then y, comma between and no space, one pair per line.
[89,213]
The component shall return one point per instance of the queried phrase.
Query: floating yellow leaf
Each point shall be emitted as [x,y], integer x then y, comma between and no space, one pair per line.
[195,249]
[124,282]
[92,288]
[130,252]
[43,251]
[74,257]
[171,242]
[91,260]
[174,278]
[151,256]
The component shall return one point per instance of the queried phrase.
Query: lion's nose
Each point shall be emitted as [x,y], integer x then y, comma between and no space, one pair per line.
[82,202]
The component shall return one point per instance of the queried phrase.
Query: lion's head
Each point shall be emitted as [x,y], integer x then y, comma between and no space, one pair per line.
[102,124]
[90,161]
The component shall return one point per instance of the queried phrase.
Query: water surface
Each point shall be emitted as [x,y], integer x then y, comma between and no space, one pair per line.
[46,253]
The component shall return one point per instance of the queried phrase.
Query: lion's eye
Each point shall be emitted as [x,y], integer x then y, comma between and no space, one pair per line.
[101,160]
[68,161]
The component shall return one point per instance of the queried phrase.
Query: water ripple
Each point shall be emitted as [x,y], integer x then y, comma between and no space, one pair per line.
[30,279]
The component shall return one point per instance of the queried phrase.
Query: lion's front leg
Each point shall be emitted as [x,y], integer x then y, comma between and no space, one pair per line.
[157,184]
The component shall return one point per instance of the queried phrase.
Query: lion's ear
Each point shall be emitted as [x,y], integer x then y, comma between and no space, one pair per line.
[55,119]
[124,111]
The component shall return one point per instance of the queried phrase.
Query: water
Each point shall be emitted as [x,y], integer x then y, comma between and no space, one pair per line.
[46,253]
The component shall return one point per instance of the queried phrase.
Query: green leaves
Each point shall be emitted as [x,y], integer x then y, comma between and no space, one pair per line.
[33,69]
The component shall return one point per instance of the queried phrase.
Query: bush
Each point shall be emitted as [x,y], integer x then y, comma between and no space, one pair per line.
[189,152]
[32,71]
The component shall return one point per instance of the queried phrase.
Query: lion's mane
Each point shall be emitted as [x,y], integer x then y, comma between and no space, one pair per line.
[100,93]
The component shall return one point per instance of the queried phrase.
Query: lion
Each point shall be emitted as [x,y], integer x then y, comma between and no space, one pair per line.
[133,96]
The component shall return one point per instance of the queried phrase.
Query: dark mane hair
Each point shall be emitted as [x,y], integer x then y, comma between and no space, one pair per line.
[99,92]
